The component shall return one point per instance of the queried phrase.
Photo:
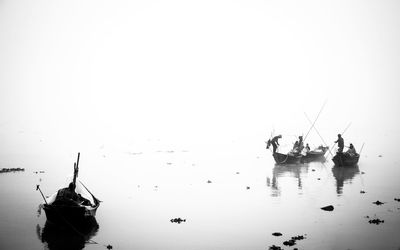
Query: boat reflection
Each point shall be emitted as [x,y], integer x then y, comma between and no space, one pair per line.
[292,170]
[342,175]
[67,237]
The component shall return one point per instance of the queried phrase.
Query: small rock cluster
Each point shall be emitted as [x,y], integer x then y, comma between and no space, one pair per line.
[178,220]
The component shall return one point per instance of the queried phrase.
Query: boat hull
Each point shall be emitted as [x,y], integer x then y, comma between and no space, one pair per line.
[286,158]
[345,160]
[70,214]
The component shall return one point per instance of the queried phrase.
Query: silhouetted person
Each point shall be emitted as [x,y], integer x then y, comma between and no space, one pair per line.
[340,143]
[301,143]
[274,142]
[307,148]
[351,151]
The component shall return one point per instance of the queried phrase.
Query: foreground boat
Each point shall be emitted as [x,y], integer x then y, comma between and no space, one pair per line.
[74,204]
[345,160]
[288,158]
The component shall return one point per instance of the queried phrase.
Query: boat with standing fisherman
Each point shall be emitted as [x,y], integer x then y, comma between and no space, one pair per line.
[74,204]
[345,159]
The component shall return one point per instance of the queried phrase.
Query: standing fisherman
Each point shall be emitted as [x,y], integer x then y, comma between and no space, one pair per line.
[340,143]
[274,142]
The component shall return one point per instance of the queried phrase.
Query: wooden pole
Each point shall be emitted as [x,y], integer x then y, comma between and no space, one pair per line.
[38,188]
[318,134]
[315,120]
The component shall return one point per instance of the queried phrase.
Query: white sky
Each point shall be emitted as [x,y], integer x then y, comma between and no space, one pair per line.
[111,70]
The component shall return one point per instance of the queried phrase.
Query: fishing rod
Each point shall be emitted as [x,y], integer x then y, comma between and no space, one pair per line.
[315,120]
[318,134]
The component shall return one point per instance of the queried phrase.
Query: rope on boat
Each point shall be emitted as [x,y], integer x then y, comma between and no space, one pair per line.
[287,156]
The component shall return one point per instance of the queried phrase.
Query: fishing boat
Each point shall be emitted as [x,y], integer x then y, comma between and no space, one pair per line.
[345,159]
[288,158]
[74,204]
[315,155]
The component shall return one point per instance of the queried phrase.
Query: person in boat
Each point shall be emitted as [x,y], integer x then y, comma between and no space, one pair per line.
[340,143]
[301,143]
[307,148]
[68,194]
[274,142]
[351,151]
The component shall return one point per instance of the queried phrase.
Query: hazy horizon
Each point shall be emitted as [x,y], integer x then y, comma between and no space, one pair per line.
[80,75]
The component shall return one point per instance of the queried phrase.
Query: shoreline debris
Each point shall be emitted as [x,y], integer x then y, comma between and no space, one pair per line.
[8,170]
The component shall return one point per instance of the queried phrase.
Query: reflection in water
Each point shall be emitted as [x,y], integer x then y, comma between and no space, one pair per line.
[67,237]
[343,174]
[294,170]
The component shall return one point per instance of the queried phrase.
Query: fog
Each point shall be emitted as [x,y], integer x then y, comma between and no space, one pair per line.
[81,74]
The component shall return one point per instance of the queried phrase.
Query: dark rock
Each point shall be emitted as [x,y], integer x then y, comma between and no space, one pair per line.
[378,203]
[328,208]
[109,247]
[277,234]
[289,243]
[273,247]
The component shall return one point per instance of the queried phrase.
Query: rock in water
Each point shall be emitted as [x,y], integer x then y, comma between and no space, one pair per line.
[277,234]
[328,208]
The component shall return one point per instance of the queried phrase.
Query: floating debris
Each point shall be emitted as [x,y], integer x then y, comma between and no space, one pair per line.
[293,240]
[209,181]
[109,247]
[378,203]
[289,243]
[362,192]
[376,221]
[397,199]
[247,188]
[362,172]
[273,247]
[328,208]
[319,179]
[379,155]
[313,170]
[178,220]
[277,234]
[169,163]
[237,173]
[7,170]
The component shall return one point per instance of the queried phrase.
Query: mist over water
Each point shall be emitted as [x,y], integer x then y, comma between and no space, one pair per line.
[161,98]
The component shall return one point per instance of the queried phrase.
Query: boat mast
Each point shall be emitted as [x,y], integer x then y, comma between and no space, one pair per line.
[76,169]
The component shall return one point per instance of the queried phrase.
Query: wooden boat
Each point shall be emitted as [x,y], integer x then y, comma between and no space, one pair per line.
[288,158]
[71,205]
[315,155]
[345,160]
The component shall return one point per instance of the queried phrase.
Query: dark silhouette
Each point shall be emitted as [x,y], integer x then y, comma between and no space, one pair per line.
[351,151]
[67,237]
[274,142]
[340,143]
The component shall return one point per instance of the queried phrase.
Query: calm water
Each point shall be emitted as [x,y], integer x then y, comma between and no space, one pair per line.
[249,198]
